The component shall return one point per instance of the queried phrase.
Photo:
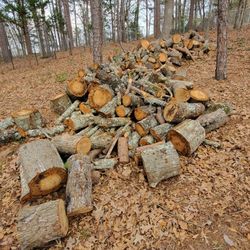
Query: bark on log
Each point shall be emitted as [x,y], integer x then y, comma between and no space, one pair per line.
[9,135]
[122,150]
[25,190]
[160,132]
[160,162]
[76,89]
[108,110]
[133,141]
[45,132]
[143,126]
[103,164]
[187,84]
[131,100]
[85,108]
[177,112]
[40,224]
[213,120]
[159,117]
[110,122]
[187,136]
[146,140]
[198,95]
[68,112]
[7,122]
[60,103]
[79,121]
[79,185]
[101,140]
[181,93]
[43,169]
[142,112]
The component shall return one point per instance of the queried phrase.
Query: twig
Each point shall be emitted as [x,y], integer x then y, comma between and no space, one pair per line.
[211,143]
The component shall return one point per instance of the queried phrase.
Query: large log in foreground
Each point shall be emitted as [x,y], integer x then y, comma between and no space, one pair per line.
[38,225]
[79,185]
[43,169]
[187,136]
[160,162]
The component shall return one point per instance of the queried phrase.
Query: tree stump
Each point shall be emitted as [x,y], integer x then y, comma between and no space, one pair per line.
[60,103]
[43,168]
[79,185]
[143,126]
[160,132]
[40,224]
[160,162]
[187,136]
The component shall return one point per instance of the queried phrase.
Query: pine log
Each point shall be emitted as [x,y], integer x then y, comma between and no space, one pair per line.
[143,111]
[122,111]
[160,162]
[40,224]
[143,126]
[177,112]
[79,185]
[79,121]
[159,117]
[122,149]
[146,140]
[103,164]
[68,112]
[131,100]
[25,190]
[60,103]
[108,110]
[7,122]
[213,120]
[72,144]
[76,89]
[198,95]
[43,168]
[28,119]
[187,136]
[160,132]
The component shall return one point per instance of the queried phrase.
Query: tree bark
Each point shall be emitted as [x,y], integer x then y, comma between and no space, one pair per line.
[168,16]
[191,15]
[157,17]
[4,44]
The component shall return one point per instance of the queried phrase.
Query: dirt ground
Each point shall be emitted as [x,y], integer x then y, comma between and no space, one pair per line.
[206,207]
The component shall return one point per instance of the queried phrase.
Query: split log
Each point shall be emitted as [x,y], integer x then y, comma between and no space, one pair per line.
[85,108]
[176,38]
[177,112]
[79,185]
[160,162]
[181,93]
[40,224]
[108,110]
[146,140]
[72,144]
[143,126]
[187,136]
[79,121]
[68,112]
[160,132]
[76,89]
[159,117]
[60,103]
[198,95]
[43,168]
[122,111]
[103,164]
[213,120]
[28,119]
[143,111]
[122,150]
[7,122]
[110,122]
[131,100]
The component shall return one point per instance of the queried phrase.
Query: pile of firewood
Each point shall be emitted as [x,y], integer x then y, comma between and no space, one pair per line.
[138,107]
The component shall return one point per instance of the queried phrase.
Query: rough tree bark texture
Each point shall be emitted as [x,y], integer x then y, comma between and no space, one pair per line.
[191,14]
[4,44]
[157,17]
[97,30]
[167,23]
[221,59]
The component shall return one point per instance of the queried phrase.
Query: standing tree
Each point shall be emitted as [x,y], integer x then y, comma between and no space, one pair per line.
[4,43]
[191,14]
[168,17]
[221,59]
[157,18]
[97,30]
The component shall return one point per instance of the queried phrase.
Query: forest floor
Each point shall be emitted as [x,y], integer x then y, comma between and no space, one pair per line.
[206,207]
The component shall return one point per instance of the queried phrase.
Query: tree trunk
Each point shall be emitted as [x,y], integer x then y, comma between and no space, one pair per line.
[147,20]
[168,16]
[122,18]
[221,58]
[4,44]
[97,30]
[191,15]
[157,16]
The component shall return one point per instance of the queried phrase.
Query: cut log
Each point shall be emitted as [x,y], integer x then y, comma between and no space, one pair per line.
[213,120]
[143,111]
[187,136]
[122,111]
[133,141]
[143,126]
[45,132]
[99,96]
[198,95]
[146,140]
[40,224]
[85,108]
[227,107]
[43,168]
[101,140]
[163,57]
[25,190]
[7,122]
[89,131]
[79,121]
[79,185]
[103,164]
[176,38]
[177,112]
[144,44]
[110,122]
[68,112]
[160,162]
[131,100]
[60,103]
[160,132]
[108,110]
[81,73]
[187,84]
[28,119]
[185,51]
[181,93]
[159,117]
[76,89]
[122,149]
[72,144]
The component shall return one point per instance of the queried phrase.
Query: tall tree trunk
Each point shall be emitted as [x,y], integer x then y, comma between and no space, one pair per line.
[4,44]
[168,16]
[191,15]
[46,33]
[112,20]
[122,18]
[137,26]
[157,16]
[97,30]
[183,16]
[207,25]
[147,20]
[221,59]
[179,16]
[118,21]
[76,28]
